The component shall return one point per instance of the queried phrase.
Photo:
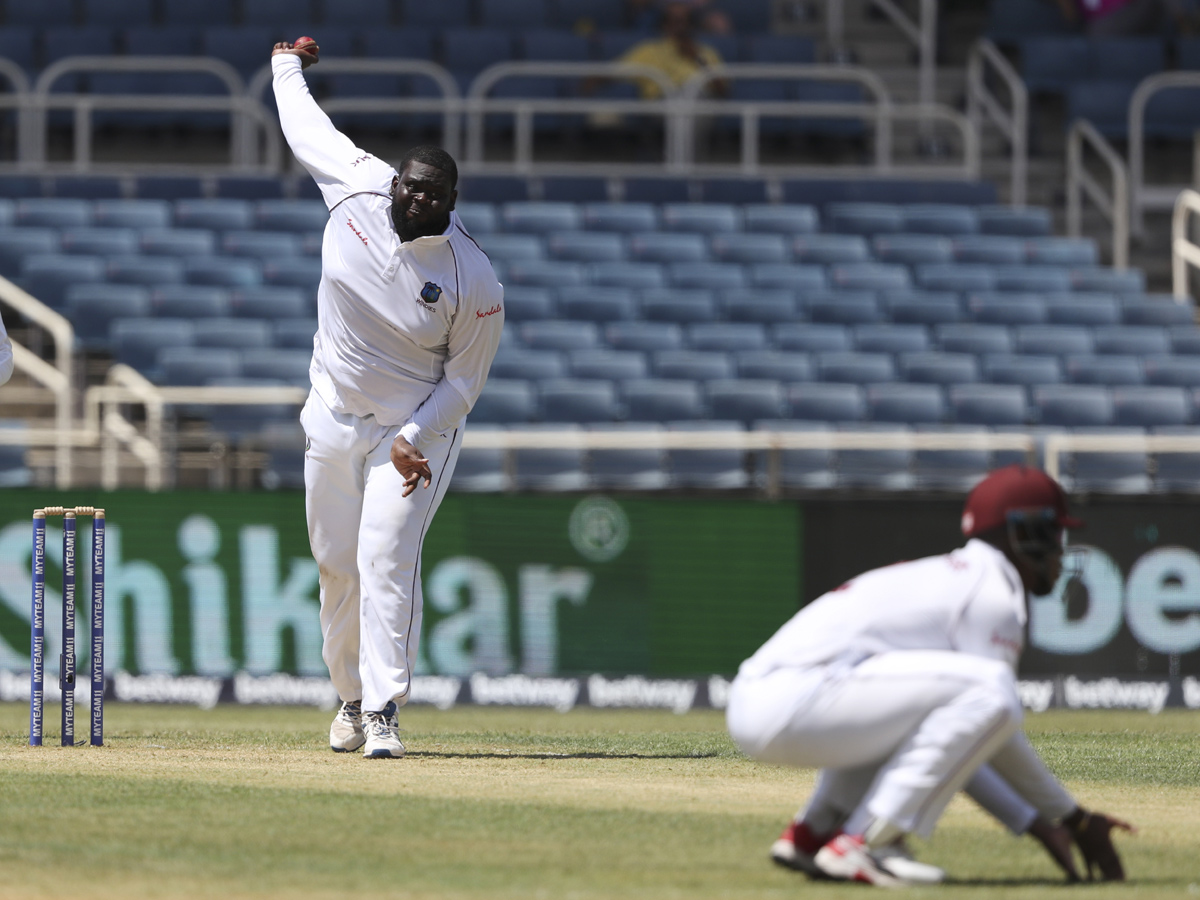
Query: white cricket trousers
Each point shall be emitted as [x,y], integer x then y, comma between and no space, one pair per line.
[366,539]
[896,735]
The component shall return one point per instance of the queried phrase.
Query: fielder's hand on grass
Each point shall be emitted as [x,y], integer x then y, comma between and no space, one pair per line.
[1057,841]
[1092,833]
[411,464]
[309,53]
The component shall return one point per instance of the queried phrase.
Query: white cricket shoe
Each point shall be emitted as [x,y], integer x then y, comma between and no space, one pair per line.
[846,858]
[382,730]
[897,859]
[346,731]
[794,849]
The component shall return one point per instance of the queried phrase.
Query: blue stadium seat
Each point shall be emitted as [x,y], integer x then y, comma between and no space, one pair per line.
[1027,221]
[577,400]
[18,243]
[485,188]
[586,16]
[1146,407]
[988,404]
[864,218]
[58,43]
[533,365]
[939,368]
[644,336]
[1103,102]
[189,12]
[100,241]
[627,275]
[869,277]
[811,468]
[786,275]
[469,50]
[593,304]
[53,213]
[877,469]
[479,218]
[1007,309]
[750,248]
[1053,62]
[480,469]
[92,308]
[614,365]
[989,249]
[745,400]
[1184,339]
[149,270]
[716,276]
[844,307]
[623,218]
[1148,310]
[811,337]
[194,366]
[547,273]
[264,245]
[628,468]
[824,402]
[906,404]
[186,242]
[523,303]
[962,278]
[774,365]
[1054,339]
[1143,340]
[779,48]
[701,218]
[359,13]
[1110,471]
[678,305]
[47,276]
[1110,281]
[957,470]
[1181,371]
[922,307]
[543,44]
[236,334]
[716,468]
[830,248]
[240,46]
[294,333]
[1177,472]
[1013,20]
[765,305]
[257,187]
[855,368]
[17,44]
[515,14]
[560,335]
[219,215]
[299,216]
[541,218]
[662,400]
[136,342]
[890,338]
[667,247]
[299,271]
[1040,279]
[289,366]
[508,248]
[940,218]
[972,337]
[223,271]
[505,402]
[188,301]
[587,246]
[787,219]
[1127,58]
[1062,251]
[692,365]
[1073,405]
[283,443]
[727,336]
[911,249]
[1105,370]
[1028,370]
[268,302]
[1083,309]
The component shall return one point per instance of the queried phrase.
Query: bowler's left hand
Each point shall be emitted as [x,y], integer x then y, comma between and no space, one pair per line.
[411,464]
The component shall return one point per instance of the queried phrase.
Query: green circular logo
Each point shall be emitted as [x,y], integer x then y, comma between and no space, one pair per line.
[599,529]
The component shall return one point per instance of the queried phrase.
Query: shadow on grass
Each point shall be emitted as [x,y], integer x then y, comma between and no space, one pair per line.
[500,754]
[1046,882]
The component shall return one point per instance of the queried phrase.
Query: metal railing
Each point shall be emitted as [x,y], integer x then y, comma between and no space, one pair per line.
[922,34]
[1081,183]
[1057,445]
[983,105]
[1184,251]
[1143,197]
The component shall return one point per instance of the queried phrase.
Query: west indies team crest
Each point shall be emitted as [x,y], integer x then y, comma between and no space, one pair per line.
[431,292]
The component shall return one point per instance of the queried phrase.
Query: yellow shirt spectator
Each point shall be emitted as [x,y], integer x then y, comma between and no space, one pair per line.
[666,56]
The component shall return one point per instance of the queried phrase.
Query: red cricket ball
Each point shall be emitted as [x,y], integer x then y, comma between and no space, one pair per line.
[305,43]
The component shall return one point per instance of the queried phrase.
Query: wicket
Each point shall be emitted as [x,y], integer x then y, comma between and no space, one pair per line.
[38,622]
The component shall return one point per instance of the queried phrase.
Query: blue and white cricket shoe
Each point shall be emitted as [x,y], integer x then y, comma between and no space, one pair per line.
[382,730]
[346,732]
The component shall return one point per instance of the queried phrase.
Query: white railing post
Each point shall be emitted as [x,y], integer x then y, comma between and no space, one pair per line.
[983,105]
[1142,196]
[1081,183]
[1184,251]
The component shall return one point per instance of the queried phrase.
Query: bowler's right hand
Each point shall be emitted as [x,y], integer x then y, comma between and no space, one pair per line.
[306,58]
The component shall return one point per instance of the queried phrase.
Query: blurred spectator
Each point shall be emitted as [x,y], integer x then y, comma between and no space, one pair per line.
[677,53]
[1118,18]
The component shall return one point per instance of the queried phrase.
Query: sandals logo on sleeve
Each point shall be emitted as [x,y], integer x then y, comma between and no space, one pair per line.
[431,292]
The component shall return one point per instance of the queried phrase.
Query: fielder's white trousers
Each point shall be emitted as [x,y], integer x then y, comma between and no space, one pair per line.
[896,735]
[366,539]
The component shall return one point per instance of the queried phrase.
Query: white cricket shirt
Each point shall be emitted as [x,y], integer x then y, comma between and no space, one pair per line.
[968,601]
[406,330]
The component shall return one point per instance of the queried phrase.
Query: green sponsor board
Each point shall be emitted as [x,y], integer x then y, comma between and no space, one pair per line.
[216,583]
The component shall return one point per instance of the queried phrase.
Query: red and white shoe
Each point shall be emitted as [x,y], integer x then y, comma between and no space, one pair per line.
[796,847]
[846,858]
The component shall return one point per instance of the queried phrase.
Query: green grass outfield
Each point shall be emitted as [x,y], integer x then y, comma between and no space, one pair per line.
[497,803]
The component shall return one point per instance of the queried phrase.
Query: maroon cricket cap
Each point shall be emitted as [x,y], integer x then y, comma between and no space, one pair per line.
[1013,487]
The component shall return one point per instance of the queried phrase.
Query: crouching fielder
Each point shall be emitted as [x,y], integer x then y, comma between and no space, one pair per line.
[900,686]
[409,316]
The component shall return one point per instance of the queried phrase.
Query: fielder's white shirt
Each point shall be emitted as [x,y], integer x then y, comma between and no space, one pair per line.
[406,330]
[969,601]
